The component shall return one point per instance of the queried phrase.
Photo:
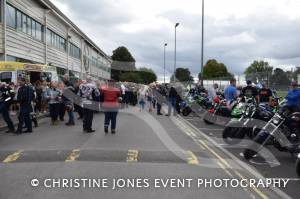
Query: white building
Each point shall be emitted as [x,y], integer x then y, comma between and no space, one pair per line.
[36,31]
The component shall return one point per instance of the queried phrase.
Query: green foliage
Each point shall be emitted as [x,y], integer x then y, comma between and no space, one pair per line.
[279,78]
[258,71]
[131,77]
[141,76]
[147,75]
[122,54]
[183,75]
[215,70]
[122,61]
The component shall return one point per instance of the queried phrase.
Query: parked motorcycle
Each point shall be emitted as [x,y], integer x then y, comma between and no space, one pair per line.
[298,165]
[282,131]
[237,128]
[219,109]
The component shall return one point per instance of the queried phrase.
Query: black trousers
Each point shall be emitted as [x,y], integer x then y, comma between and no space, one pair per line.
[4,110]
[24,117]
[158,108]
[88,115]
[62,111]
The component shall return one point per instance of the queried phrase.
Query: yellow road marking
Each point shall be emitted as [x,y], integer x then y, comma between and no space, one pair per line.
[221,164]
[192,158]
[132,155]
[73,156]
[13,157]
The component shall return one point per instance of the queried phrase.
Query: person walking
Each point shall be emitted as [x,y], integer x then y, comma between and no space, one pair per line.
[6,98]
[88,92]
[25,97]
[172,97]
[111,97]
[53,95]
[68,98]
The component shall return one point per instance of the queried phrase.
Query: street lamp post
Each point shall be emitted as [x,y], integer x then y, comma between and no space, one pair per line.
[202,41]
[165,62]
[177,24]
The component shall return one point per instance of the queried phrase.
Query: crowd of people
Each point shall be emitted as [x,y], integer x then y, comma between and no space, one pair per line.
[87,97]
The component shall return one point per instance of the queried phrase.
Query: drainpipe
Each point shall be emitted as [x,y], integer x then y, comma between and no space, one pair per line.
[45,35]
[4,28]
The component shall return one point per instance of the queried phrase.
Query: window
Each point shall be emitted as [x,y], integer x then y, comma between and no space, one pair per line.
[11,16]
[21,22]
[29,30]
[24,23]
[5,77]
[74,51]
[33,26]
[56,41]
[39,32]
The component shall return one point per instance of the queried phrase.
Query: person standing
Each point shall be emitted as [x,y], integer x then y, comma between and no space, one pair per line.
[88,92]
[172,97]
[53,95]
[158,93]
[25,97]
[110,105]
[6,97]
[68,98]
[230,93]
[62,107]
[212,92]
[265,94]
[250,91]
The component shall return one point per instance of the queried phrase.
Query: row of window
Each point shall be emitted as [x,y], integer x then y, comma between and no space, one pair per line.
[96,63]
[74,51]
[56,41]
[23,23]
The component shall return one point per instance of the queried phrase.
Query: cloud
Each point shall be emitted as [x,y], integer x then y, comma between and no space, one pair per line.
[236,31]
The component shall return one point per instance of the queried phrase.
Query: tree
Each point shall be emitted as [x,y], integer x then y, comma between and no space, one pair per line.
[214,70]
[279,78]
[183,75]
[296,73]
[258,71]
[131,77]
[122,61]
[147,75]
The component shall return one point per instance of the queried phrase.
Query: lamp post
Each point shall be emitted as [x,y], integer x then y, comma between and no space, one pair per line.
[202,41]
[165,62]
[176,25]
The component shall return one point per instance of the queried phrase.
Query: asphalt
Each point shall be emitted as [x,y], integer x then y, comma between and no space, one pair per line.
[145,146]
[276,165]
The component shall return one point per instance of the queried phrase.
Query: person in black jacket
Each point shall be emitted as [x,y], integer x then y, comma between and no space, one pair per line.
[68,99]
[6,97]
[24,97]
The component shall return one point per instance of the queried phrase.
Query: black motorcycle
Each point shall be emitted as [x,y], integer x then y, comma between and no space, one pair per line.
[282,131]
[248,124]
[298,165]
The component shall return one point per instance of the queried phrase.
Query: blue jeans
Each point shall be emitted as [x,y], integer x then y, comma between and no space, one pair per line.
[71,117]
[172,105]
[110,116]
[5,113]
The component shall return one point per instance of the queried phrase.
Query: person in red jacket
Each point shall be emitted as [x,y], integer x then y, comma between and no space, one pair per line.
[110,104]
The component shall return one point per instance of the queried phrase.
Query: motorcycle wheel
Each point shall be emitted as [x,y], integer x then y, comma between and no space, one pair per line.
[233,135]
[252,150]
[209,118]
[298,167]
[186,111]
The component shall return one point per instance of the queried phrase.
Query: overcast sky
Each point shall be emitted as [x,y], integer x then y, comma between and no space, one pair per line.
[236,31]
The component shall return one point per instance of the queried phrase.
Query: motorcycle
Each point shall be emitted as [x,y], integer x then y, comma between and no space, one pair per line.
[250,112]
[298,165]
[282,131]
[219,108]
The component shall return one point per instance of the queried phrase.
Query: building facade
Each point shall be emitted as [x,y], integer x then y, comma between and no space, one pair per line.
[36,31]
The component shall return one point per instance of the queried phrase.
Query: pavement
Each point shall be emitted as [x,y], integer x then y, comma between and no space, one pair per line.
[150,156]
